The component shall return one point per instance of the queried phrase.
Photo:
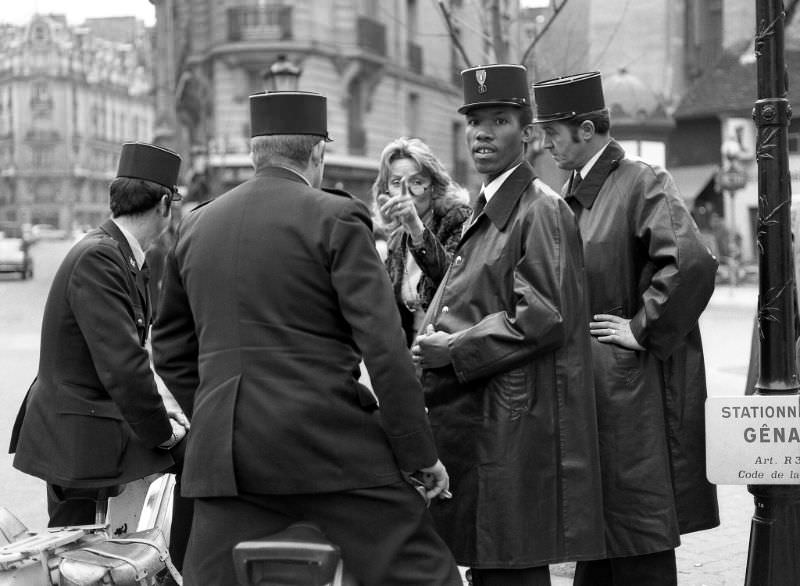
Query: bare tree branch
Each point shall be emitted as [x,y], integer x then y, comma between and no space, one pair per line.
[456,41]
[557,7]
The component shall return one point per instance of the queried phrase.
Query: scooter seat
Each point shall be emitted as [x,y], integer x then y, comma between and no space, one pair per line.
[300,555]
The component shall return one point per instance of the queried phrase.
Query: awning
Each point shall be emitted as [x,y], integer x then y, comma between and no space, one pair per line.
[692,180]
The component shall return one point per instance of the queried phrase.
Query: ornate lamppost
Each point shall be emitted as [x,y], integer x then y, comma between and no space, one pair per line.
[775,532]
[282,75]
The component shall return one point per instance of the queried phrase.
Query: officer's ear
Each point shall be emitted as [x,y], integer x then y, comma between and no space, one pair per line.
[318,153]
[586,130]
[164,204]
[167,199]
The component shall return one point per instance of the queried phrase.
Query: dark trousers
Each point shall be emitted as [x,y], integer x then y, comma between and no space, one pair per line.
[539,576]
[385,534]
[654,569]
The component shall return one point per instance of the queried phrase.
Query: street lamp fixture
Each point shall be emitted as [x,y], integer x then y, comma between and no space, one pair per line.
[282,75]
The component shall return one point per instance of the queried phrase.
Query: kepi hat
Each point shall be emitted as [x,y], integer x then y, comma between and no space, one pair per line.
[565,97]
[294,112]
[494,85]
[140,160]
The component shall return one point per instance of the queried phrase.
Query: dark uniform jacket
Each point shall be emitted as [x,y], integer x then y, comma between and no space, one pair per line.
[272,294]
[93,416]
[514,417]
[646,261]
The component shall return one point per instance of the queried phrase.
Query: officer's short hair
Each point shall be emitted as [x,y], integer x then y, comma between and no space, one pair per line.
[130,197]
[276,147]
[600,118]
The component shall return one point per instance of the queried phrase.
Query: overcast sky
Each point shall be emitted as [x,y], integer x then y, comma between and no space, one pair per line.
[20,11]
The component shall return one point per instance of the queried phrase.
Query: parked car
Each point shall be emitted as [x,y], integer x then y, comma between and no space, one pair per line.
[47,232]
[15,257]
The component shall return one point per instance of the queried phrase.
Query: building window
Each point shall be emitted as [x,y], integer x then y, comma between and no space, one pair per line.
[651,151]
[356,133]
[42,157]
[41,101]
[412,114]
[369,8]
[412,21]
[39,33]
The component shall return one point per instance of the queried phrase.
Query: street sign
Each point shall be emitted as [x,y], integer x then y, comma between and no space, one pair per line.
[753,439]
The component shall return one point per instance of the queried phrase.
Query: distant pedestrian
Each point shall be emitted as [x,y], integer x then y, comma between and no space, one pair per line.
[649,276]
[273,292]
[422,211]
[506,363]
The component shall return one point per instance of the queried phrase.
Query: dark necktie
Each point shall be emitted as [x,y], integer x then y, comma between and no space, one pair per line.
[480,203]
[573,202]
[575,183]
[144,275]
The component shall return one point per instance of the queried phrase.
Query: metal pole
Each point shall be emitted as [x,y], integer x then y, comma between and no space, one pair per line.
[775,532]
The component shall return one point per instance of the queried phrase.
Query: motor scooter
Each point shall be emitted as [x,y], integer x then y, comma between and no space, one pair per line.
[127,544]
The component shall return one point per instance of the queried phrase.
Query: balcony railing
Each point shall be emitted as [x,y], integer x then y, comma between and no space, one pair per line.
[260,23]
[371,36]
[415,58]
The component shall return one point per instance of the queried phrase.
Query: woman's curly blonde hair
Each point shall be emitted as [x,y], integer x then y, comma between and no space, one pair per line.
[445,193]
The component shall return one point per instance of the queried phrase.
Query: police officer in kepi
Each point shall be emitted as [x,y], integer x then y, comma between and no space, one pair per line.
[649,276]
[504,350]
[93,418]
[273,294]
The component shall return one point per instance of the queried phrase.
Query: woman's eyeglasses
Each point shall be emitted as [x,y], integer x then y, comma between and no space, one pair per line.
[415,186]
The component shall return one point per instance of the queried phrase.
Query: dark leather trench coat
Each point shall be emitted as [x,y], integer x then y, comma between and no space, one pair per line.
[645,261]
[514,417]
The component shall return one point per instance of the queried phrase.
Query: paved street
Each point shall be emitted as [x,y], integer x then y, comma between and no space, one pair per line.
[711,558]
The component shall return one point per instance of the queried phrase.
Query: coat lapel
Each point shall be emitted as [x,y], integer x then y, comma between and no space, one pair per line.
[111,228]
[590,186]
[502,205]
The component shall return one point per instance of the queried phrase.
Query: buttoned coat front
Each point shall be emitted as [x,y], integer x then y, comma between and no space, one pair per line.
[646,261]
[514,417]
[272,294]
[93,416]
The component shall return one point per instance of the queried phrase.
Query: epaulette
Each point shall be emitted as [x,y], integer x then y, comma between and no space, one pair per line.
[201,204]
[341,192]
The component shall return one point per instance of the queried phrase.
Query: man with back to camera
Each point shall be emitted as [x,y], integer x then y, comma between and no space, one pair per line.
[93,418]
[272,294]
[506,364]
[649,278]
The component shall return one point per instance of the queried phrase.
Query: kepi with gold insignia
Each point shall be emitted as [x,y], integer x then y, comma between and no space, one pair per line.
[494,85]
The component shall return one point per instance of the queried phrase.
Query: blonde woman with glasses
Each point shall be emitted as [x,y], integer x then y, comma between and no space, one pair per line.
[421,210]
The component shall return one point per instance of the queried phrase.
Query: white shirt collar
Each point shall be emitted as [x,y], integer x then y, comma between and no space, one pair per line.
[136,248]
[590,163]
[496,183]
